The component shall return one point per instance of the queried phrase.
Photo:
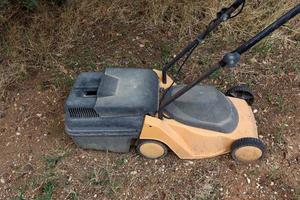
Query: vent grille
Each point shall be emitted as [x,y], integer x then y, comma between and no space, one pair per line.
[83,113]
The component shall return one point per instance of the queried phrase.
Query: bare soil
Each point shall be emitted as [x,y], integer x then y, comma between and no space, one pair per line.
[39,161]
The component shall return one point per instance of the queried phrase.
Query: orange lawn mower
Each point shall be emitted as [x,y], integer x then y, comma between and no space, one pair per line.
[123,107]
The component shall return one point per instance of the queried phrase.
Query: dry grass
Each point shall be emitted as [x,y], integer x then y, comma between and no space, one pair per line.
[31,40]
[51,37]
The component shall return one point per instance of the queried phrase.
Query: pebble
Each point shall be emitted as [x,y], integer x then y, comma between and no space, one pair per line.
[2,180]
[39,115]
[18,133]
[255,111]
[133,172]
[248,179]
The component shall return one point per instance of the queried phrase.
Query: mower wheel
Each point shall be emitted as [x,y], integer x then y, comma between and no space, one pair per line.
[241,92]
[152,149]
[247,149]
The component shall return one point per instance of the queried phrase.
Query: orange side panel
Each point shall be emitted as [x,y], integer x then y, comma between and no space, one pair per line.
[194,143]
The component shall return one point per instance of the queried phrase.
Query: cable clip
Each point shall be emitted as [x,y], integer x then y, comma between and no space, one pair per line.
[231,59]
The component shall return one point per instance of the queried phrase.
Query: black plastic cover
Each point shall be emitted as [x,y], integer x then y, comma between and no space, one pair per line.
[203,107]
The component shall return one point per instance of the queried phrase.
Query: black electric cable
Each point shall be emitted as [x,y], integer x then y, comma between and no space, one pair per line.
[208,29]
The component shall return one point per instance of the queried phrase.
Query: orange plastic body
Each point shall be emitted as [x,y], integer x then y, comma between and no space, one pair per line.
[189,142]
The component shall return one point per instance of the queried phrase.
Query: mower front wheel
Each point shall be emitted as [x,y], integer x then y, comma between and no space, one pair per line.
[247,149]
[152,149]
[241,92]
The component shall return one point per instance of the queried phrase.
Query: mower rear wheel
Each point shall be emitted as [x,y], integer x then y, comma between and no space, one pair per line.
[247,149]
[152,149]
[241,92]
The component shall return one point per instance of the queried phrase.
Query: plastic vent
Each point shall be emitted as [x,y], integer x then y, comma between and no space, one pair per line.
[83,112]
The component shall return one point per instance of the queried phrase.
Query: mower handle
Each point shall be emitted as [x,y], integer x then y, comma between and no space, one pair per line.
[222,16]
[232,58]
[268,30]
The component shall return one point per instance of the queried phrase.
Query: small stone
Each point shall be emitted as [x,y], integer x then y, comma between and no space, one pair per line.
[58,54]
[39,115]
[248,180]
[190,162]
[133,172]
[2,180]
[272,183]
[18,133]
[95,196]
[142,45]
[253,60]
[255,111]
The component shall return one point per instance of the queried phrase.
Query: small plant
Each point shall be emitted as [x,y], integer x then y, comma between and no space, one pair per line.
[30,4]
[47,192]
[52,160]
[62,80]
[273,173]
[73,195]
[121,161]
[19,196]
[100,177]
[103,177]
[278,136]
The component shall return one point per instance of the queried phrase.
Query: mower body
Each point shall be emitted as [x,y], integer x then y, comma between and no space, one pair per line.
[114,109]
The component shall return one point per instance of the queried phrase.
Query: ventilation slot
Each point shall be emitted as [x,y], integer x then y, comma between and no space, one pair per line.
[82,112]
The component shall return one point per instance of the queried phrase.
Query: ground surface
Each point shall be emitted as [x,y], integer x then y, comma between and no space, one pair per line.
[41,54]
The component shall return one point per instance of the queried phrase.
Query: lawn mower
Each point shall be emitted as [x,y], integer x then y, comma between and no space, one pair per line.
[119,108]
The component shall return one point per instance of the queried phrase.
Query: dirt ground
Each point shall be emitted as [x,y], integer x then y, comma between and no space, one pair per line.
[39,161]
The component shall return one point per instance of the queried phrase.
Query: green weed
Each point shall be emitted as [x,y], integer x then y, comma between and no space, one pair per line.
[62,80]
[47,192]
[85,58]
[278,136]
[52,160]
[121,161]
[19,196]
[103,177]
[73,196]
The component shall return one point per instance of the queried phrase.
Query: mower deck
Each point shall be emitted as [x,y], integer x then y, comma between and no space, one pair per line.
[189,142]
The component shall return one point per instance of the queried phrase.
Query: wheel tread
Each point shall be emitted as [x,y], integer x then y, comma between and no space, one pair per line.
[247,141]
